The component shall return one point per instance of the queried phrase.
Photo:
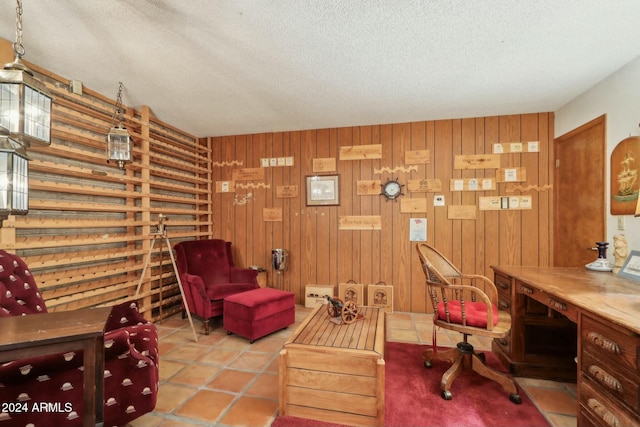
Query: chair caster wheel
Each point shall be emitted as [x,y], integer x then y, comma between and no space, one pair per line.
[427,364]
[229,332]
[515,398]
[446,395]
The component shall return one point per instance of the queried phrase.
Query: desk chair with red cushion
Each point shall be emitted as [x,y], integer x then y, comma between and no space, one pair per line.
[465,303]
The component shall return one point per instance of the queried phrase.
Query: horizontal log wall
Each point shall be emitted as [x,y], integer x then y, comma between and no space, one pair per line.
[89,230]
[320,253]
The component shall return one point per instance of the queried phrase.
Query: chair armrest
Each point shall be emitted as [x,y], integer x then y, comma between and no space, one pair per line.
[488,287]
[139,340]
[244,275]
[480,296]
[196,283]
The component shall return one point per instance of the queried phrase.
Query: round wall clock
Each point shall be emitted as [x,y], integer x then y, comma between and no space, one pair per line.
[392,189]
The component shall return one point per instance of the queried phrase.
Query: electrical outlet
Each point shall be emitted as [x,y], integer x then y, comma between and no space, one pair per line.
[620,222]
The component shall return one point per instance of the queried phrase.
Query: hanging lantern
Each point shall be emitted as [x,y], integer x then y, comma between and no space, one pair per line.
[14,178]
[25,102]
[119,147]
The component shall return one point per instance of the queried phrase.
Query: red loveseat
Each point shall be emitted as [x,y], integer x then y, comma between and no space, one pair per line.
[130,362]
[209,275]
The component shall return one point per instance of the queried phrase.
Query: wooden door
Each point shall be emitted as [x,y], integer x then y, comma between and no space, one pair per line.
[579,194]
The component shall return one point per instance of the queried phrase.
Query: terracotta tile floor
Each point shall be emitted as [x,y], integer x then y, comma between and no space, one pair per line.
[224,381]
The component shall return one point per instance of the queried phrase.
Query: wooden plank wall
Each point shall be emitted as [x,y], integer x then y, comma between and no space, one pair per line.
[90,226]
[322,254]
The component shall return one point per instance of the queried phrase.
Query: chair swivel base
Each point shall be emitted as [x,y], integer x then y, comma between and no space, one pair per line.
[464,357]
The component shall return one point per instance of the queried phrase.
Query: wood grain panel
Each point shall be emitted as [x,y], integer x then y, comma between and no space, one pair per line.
[173,173]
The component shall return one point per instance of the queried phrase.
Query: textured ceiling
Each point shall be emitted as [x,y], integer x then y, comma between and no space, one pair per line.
[232,67]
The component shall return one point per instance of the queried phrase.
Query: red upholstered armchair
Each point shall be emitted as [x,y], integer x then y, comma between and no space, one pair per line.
[209,275]
[130,362]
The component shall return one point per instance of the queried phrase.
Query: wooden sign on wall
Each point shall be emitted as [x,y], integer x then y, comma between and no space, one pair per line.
[326,164]
[511,175]
[286,191]
[424,185]
[225,187]
[272,214]
[368,188]
[462,212]
[363,222]
[472,184]
[476,161]
[413,205]
[361,152]
[417,157]
[248,174]
[498,203]
[517,147]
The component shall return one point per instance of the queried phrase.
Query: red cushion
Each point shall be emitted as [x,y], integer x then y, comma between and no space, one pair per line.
[476,313]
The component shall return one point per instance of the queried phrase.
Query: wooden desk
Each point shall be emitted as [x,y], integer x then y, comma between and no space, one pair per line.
[48,333]
[335,373]
[606,311]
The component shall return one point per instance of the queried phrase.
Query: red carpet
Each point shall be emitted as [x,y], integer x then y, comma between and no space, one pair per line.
[412,396]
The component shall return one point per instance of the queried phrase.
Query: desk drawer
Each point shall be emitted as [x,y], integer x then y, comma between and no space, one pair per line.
[610,378]
[550,301]
[601,408]
[503,283]
[615,345]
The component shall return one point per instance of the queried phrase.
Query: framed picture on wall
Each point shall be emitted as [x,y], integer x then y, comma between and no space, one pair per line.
[323,190]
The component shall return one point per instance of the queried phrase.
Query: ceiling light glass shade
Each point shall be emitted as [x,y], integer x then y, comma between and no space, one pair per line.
[14,178]
[119,146]
[25,105]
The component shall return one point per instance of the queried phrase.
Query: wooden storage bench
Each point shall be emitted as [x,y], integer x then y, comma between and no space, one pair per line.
[331,372]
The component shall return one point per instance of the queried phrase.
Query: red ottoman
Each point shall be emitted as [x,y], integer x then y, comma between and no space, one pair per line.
[259,312]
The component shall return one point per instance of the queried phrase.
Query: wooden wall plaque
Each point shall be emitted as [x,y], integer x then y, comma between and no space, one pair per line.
[516,147]
[472,184]
[248,174]
[272,214]
[363,222]
[417,157]
[511,175]
[476,161]
[424,185]
[225,187]
[286,191]
[361,152]
[462,212]
[413,205]
[624,177]
[326,164]
[369,188]
[497,203]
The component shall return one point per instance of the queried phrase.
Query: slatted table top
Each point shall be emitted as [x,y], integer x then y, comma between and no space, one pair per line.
[366,334]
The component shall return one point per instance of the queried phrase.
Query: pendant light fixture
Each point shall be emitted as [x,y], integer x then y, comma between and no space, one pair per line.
[25,102]
[119,147]
[14,178]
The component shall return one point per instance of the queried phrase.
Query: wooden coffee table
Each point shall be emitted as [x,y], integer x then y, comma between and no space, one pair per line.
[331,372]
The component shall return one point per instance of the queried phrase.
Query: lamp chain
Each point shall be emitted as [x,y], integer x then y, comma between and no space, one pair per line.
[117,113]
[18,48]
